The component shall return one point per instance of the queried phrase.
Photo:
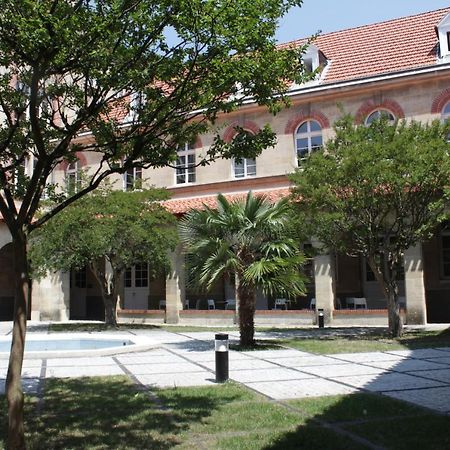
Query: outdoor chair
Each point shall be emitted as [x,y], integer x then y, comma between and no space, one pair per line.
[360,303]
[230,304]
[280,303]
[211,304]
[162,304]
[312,304]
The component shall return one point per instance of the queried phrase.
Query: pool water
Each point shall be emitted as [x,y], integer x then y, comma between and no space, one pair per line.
[67,344]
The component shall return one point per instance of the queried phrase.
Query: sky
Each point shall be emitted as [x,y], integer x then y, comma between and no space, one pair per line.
[334,15]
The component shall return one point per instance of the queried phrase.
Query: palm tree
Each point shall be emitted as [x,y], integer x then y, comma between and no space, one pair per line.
[250,241]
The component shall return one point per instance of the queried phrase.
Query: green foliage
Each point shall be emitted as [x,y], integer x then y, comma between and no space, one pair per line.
[377,189]
[125,228]
[78,64]
[247,238]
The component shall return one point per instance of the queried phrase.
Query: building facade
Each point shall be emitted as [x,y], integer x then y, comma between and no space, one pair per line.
[400,68]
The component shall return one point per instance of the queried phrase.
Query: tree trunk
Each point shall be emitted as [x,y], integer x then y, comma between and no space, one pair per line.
[395,319]
[386,276]
[110,302]
[107,280]
[14,393]
[247,306]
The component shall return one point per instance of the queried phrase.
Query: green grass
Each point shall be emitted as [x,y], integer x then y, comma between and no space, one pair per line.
[375,340]
[111,413]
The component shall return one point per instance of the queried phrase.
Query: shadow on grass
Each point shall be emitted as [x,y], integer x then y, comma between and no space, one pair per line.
[109,413]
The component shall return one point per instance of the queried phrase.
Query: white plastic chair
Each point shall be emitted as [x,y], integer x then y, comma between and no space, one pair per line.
[360,303]
[186,304]
[211,304]
[312,304]
[280,303]
[230,304]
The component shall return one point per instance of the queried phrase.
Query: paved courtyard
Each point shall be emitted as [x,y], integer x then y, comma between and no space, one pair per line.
[188,359]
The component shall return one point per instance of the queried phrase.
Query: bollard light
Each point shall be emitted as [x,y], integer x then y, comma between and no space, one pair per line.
[321,318]
[221,345]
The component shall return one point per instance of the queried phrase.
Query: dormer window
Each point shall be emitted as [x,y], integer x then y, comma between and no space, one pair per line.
[443,32]
[311,59]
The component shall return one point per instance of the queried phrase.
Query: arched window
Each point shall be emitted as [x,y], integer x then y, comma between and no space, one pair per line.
[244,167]
[377,114]
[73,179]
[308,138]
[185,168]
[446,112]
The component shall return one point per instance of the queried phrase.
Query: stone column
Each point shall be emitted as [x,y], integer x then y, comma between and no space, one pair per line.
[175,287]
[324,285]
[416,311]
[51,297]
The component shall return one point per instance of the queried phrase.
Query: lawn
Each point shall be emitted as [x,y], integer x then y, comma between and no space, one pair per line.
[112,413]
[362,340]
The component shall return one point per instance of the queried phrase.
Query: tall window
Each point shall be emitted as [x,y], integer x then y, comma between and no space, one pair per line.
[132,179]
[446,112]
[73,178]
[377,114]
[308,138]
[185,167]
[445,246]
[244,167]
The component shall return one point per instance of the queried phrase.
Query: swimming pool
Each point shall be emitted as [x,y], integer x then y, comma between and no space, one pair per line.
[66,345]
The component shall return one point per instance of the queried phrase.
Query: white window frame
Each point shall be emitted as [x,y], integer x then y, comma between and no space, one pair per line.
[137,100]
[248,165]
[73,173]
[377,113]
[309,135]
[130,178]
[185,172]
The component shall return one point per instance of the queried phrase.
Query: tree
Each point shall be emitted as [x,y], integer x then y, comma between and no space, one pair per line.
[128,81]
[375,191]
[248,240]
[116,228]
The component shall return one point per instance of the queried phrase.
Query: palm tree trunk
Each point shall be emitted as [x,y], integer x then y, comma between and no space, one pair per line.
[247,306]
[14,393]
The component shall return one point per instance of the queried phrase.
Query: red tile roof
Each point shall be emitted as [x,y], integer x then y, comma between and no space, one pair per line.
[385,47]
[183,205]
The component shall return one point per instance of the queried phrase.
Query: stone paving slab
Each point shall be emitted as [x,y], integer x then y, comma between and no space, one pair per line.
[367,357]
[175,367]
[388,382]
[243,364]
[278,374]
[439,375]
[305,361]
[275,354]
[76,363]
[149,359]
[177,379]
[342,370]
[437,398]
[408,365]
[86,371]
[421,353]
[445,360]
[313,387]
